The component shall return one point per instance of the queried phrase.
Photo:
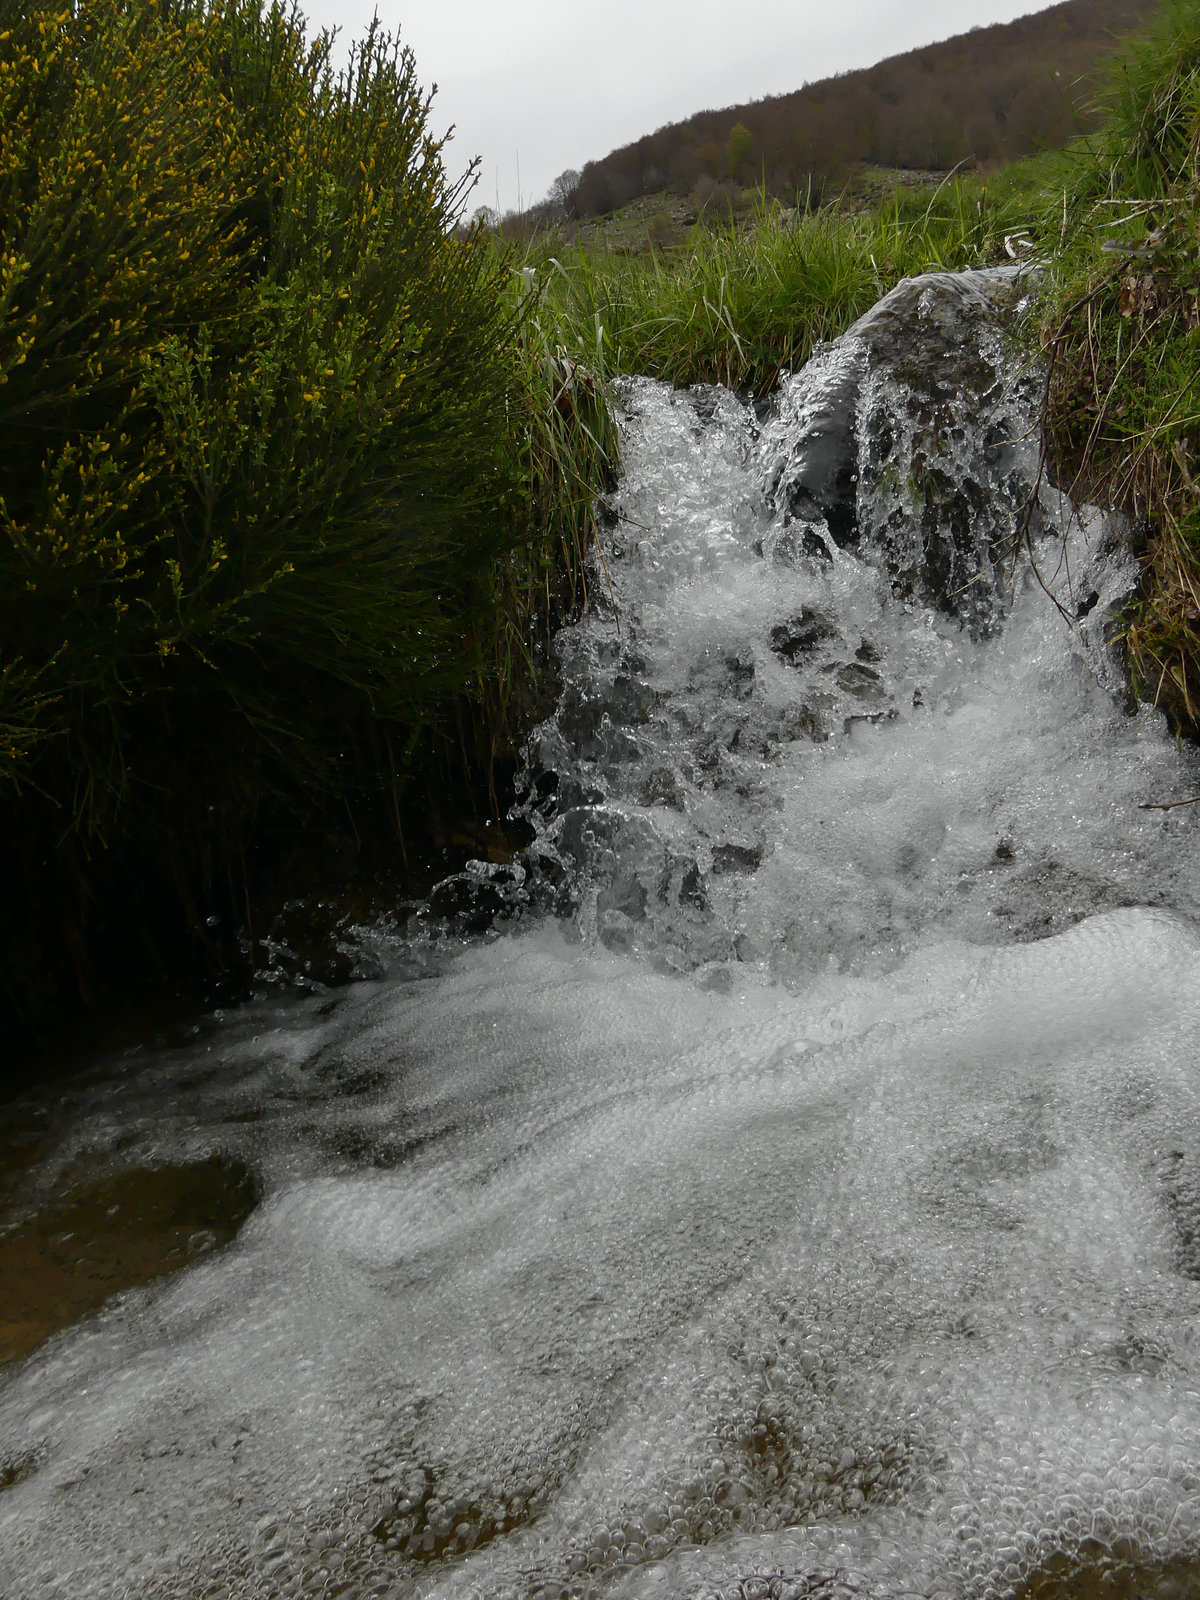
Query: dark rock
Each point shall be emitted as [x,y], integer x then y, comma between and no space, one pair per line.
[740,668]
[863,682]
[876,445]
[802,635]
[736,858]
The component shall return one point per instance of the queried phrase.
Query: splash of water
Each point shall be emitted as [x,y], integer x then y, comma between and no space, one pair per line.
[799,1194]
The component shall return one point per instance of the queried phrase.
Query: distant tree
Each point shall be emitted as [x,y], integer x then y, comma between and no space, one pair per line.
[980,136]
[684,168]
[737,148]
[1038,119]
[485,217]
[709,157]
[563,196]
[595,191]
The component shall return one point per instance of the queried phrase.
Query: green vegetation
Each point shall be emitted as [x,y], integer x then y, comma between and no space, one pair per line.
[1122,327]
[737,149]
[272,433]
[739,304]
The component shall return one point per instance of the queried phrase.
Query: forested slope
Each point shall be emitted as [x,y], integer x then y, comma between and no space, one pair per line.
[991,94]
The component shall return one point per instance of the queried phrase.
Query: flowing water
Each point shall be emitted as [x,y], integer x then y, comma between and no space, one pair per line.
[782,1180]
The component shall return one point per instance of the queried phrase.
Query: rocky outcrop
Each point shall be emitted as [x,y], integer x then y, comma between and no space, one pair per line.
[878,444]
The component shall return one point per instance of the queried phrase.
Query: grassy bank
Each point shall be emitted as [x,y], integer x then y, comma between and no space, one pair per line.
[1122,327]
[742,303]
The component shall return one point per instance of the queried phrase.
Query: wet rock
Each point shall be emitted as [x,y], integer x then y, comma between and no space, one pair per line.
[792,641]
[880,441]
[792,547]
[16,1470]
[1179,1174]
[736,858]
[861,681]
[814,475]
[739,666]
[471,900]
[661,787]
[1119,1572]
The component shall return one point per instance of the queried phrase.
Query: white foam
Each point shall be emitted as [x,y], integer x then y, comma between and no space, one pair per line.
[815,1208]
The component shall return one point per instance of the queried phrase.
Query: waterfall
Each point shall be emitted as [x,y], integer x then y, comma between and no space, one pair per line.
[783,1179]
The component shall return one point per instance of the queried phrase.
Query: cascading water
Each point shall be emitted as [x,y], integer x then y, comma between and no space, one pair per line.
[797,1192]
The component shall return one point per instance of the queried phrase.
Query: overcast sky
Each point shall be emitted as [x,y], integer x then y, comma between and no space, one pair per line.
[534,87]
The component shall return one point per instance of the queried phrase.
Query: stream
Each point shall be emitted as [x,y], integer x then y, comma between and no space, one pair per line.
[781,1181]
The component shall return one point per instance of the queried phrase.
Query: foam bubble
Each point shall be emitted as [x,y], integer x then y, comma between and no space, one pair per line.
[810,1209]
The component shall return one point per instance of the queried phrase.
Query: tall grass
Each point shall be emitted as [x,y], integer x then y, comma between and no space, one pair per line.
[741,304]
[564,445]
[1122,328]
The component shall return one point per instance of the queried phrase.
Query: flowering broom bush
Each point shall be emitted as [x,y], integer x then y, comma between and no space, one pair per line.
[256,472]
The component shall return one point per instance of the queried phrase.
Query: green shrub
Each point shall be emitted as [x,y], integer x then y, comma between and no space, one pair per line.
[269,437]
[252,388]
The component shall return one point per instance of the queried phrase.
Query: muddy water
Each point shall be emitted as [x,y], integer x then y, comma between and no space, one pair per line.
[103,1238]
[795,1192]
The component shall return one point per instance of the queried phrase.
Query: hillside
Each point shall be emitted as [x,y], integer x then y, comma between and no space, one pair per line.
[992,94]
